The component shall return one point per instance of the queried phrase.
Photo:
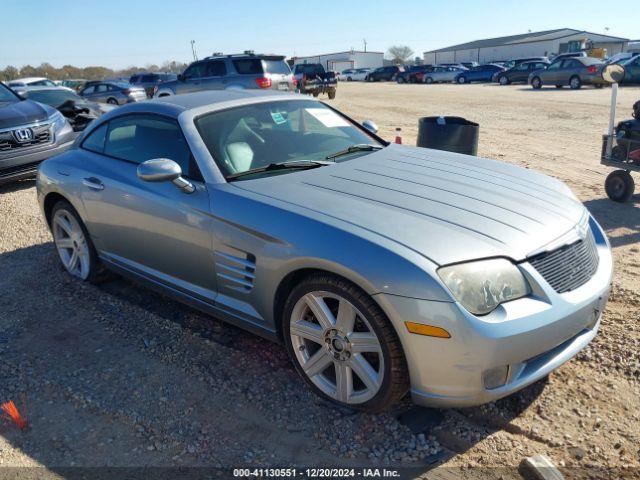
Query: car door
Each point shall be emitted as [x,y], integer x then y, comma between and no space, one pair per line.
[552,74]
[214,75]
[520,73]
[151,228]
[570,67]
[191,78]
[88,92]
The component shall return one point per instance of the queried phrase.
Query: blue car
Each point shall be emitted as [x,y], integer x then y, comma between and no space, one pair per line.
[482,73]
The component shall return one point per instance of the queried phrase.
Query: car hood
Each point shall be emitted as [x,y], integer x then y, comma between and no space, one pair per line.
[21,113]
[447,207]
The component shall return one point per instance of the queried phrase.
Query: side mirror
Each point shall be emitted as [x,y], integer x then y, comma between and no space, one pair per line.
[164,170]
[371,126]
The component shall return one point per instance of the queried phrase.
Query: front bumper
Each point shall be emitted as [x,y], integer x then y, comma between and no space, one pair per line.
[25,164]
[531,337]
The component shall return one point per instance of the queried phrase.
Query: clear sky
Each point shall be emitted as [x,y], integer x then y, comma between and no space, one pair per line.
[121,33]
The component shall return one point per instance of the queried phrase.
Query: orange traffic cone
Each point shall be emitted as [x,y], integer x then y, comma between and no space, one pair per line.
[398,137]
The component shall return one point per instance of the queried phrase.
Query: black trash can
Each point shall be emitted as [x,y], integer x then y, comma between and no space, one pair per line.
[453,134]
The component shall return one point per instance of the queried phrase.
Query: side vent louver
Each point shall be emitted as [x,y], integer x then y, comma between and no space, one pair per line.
[235,270]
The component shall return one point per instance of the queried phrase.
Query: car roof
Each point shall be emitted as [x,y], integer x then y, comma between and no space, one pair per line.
[174,105]
[29,79]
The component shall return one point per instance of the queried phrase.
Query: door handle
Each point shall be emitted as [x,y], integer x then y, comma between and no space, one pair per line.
[93,183]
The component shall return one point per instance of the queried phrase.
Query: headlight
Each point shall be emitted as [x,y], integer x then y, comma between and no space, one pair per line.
[58,121]
[483,285]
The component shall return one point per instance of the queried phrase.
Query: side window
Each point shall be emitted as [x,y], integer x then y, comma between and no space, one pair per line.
[101,88]
[195,70]
[137,138]
[216,69]
[555,65]
[95,141]
[88,90]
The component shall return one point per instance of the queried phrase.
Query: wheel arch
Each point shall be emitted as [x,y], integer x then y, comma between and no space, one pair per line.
[294,277]
[50,201]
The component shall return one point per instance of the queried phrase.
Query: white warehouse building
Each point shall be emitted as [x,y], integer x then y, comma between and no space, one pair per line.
[534,44]
[340,61]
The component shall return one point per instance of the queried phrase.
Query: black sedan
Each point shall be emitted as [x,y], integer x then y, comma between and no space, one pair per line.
[78,111]
[520,73]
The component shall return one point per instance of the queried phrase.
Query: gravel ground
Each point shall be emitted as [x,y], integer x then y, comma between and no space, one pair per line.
[118,375]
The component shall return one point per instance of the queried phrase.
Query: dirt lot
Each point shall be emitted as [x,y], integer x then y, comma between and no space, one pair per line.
[117,375]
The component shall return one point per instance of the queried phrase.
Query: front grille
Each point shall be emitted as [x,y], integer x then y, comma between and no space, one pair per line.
[568,267]
[41,135]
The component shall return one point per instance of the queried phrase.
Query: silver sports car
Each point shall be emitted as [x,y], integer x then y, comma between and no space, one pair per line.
[382,268]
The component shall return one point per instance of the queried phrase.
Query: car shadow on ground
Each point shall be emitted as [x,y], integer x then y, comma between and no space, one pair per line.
[613,216]
[119,375]
[17,186]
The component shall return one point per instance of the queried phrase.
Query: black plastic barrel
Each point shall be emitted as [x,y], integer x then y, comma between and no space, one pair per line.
[453,134]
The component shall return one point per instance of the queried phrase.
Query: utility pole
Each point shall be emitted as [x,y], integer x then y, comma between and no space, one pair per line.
[193,50]
[365,44]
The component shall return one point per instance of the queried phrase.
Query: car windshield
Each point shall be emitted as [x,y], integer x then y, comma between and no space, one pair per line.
[55,98]
[254,136]
[7,95]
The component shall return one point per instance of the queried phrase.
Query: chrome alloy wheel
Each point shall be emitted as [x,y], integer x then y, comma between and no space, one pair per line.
[336,347]
[71,244]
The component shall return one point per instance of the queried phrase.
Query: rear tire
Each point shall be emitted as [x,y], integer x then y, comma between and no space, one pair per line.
[400,79]
[598,85]
[575,83]
[326,347]
[503,80]
[73,243]
[332,94]
[462,80]
[428,80]
[619,186]
[112,101]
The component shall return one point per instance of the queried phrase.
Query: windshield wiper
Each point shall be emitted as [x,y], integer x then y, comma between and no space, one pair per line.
[292,164]
[361,147]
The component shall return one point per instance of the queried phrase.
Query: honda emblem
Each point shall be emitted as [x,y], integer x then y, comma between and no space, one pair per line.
[23,135]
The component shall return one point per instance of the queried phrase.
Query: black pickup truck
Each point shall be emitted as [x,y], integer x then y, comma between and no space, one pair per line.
[312,78]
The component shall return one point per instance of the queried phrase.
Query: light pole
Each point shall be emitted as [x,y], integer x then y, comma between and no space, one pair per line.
[193,49]
[365,44]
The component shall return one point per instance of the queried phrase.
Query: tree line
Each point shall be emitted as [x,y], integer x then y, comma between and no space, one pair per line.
[87,73]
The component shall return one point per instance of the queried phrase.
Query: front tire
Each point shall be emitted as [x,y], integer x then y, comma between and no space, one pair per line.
[462,80]
[428,80]
[343,345]
[112,101]
[503,80]
[73,243]
[619,186]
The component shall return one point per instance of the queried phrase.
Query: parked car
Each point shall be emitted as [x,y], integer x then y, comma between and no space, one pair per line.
[29,133]
[476,289]
[631,70]
[114,93]
[31,82]
[222,72]
[384,74]
[442,74]
[519,73]
[481,73]
[469,64]
[360,74]
[345,75]
[74,84]
[572,71]
[312,79]
[77,110]
[151,81]
[414,74]
[517,61]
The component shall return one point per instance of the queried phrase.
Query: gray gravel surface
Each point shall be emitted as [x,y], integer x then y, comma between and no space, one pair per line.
[118,375]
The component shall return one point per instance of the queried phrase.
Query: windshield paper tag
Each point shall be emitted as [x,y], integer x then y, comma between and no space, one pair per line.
[327,117]
[278,118]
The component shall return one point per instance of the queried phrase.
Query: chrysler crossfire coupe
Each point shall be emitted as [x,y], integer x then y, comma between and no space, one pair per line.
[384,269]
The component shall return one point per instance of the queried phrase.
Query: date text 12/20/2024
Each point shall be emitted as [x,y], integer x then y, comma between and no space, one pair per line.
[315,473]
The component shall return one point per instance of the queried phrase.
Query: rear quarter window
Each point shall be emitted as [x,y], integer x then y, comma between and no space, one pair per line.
[248,66]
[276,66]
